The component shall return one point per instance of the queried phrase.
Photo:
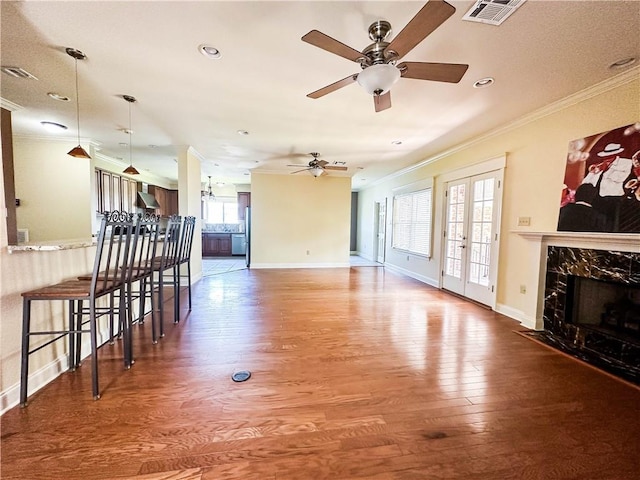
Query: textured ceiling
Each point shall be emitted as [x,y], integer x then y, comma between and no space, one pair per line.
[546,51]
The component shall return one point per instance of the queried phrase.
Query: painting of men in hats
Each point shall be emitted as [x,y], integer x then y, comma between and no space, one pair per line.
[601,191]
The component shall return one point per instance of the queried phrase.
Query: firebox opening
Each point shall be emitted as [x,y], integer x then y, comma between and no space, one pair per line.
[608,307]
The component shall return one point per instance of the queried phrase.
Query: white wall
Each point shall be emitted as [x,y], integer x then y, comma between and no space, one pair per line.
[536,149]
[300,221]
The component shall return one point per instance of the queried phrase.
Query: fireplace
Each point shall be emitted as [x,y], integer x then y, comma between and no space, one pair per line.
[592,307]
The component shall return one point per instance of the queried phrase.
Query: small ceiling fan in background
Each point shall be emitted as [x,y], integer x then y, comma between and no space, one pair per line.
[378,61]
[317,167]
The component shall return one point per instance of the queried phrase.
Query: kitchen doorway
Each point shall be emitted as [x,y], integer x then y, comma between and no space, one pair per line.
[380,214]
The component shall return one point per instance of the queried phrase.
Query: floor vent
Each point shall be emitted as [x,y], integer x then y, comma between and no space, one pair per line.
[492,12]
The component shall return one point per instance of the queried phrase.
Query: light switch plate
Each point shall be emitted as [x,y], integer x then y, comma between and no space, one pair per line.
[524,221]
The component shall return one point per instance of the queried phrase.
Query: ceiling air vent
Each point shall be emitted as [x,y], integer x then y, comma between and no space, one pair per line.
[493,12]
[17,72]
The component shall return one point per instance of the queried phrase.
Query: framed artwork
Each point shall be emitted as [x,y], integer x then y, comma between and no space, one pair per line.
[601,191]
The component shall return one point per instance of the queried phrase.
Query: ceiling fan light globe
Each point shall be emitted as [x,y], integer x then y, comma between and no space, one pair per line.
[378,79]
[316,171]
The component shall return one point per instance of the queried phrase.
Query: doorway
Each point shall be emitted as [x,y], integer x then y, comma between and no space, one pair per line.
[380,212]
[471,236]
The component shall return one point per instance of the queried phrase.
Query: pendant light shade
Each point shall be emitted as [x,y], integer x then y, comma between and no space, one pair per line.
[131,170]
[78,151]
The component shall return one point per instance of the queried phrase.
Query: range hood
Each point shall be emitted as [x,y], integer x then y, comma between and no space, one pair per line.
[146,200]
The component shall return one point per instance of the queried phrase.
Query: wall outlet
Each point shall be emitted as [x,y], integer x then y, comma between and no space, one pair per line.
[524,221]
[523,289]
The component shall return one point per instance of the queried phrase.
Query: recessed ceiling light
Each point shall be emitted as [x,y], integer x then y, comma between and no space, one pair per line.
[122,144]
[243,132]
[209,51]
[247,173]
[53,126]
[396,142]
[57,96]
[483,82]
[216,164]
[625,62]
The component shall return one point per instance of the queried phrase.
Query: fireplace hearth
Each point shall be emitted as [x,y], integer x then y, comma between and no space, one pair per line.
[592,307]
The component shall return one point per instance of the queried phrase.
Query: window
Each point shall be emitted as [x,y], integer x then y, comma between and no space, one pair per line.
[412,222]
[220,211]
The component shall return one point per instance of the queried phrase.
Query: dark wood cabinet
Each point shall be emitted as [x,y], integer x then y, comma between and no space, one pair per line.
[216,244]
[244,201]
[114,192]
[167,199]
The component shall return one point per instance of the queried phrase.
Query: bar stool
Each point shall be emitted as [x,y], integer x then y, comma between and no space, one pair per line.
[144,247]
[184,257]
[113,259]
[167,261]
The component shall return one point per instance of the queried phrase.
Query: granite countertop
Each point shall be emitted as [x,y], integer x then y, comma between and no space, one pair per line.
[52,245]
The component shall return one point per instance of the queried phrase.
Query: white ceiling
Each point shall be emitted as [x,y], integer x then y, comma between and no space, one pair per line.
[546,51]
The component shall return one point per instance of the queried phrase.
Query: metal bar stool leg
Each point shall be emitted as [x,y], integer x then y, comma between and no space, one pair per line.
[24,368]
[94,350]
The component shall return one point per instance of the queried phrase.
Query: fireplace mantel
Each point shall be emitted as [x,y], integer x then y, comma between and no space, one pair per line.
[624,242]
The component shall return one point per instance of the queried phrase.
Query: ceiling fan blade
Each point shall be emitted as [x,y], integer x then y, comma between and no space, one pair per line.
[298,165]
[438,72]
[322,163]
[382,102]
[430,17]
[334,167]
[333,87]
[303,170]
[331,45]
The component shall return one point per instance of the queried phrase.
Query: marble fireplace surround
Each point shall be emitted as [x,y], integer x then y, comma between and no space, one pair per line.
[608,257]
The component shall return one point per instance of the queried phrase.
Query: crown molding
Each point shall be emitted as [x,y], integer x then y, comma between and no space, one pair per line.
[633,74]
[8,105]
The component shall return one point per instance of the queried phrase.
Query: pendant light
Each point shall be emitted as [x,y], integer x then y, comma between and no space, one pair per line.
[78,151]
[208,195]
[131,170]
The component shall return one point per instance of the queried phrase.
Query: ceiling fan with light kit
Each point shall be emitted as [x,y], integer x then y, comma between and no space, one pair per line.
[379,61]
[317,167]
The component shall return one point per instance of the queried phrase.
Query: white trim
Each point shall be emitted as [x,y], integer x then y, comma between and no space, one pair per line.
[519,316]
[590,92]
[482,167]
[424,279]
[625,242]
[258,266]
[45,375]
[414,186]
[8,105]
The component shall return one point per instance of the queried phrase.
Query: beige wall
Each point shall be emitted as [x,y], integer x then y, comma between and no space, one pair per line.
[295,214]
[54,190]
[536,152]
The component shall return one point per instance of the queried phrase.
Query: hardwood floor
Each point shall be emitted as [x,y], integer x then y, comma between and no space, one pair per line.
[356,374]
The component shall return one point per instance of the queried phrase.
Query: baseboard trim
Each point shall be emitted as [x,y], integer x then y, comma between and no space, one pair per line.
[424,279]
[258,266]
[517,315]
[43,376]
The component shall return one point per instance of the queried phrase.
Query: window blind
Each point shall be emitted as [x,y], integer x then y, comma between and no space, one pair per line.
[412,222]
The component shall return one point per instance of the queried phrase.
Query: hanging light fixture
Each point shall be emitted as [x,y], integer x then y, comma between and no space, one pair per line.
[208,194]
[78,151]
[316,171]
[131,170]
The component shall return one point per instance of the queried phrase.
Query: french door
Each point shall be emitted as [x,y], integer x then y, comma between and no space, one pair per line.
[471,236]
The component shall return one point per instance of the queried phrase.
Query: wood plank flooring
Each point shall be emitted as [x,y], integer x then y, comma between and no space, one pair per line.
[356,374]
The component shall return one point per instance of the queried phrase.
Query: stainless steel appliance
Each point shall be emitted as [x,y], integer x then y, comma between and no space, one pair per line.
[238,244]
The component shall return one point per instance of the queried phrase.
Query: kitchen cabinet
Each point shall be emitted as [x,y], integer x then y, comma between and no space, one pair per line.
[167,199]
[114,192]
[244,201]
[216,244]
